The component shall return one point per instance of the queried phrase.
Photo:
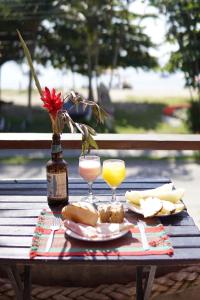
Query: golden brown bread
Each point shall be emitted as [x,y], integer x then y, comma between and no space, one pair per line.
[104,213]
[117,214]
[111,213]
[80,212]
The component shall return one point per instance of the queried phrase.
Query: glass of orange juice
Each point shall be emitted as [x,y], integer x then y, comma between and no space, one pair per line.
[113,172]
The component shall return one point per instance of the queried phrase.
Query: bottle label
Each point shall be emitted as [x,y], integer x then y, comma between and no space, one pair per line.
[56,185]
[56,148]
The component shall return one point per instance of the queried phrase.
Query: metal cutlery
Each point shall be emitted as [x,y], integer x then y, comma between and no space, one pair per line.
[55,226]
[141,226]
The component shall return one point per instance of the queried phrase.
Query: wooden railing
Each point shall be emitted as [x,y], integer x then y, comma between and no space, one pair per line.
[105,141]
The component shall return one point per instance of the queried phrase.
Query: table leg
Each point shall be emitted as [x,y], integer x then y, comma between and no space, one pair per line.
[149,282]
[22,287]
[139,285]
[27,283]
[143,292]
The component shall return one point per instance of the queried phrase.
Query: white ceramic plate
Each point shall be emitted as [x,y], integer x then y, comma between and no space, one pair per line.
[138,210]
[95,239]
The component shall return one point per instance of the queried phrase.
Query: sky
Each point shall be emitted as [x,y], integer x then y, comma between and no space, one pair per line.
[141,82]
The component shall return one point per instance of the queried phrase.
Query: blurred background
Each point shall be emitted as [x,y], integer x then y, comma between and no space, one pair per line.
[138,55]
[139,59]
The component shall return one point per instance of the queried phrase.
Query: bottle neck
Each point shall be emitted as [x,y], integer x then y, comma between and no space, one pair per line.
[56,148]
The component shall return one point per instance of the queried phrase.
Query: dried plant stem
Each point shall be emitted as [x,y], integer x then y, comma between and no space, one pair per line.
[54,123]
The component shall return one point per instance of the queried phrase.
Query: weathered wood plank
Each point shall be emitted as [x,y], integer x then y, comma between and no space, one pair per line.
[186,242]
[181,256]
[14,230]
[8,253]
[12,213]
[29,207]
[25,206]
[18,221]
[18,241]
[178,220]
[105,141]
[25,241]
[23,199]
[182,231]
[186,220]
[75,192]
[142,180]
[172,231]
[100,187]
[83,185]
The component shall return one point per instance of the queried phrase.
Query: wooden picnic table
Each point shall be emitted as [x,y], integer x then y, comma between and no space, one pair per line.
[21,201]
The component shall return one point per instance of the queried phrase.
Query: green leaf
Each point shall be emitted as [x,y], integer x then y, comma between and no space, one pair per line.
[85,147]
[104,114]
[30,62]
[85,130]
[92,142]
[91,130]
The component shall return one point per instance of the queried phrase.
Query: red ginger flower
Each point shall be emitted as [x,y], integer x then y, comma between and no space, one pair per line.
[52,101]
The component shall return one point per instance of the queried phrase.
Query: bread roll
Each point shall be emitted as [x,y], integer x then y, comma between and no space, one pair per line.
[104,213]
[117,213]
[80,212]
[111,213]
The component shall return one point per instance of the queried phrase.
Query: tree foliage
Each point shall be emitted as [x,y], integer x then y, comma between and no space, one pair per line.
[95,35]
[87,37]
[26,16]
[183,29]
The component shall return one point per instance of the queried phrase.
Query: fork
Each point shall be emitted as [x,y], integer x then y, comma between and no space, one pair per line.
[55,226]
[141,225]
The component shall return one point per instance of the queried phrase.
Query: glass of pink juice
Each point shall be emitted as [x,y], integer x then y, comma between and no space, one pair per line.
[89,170]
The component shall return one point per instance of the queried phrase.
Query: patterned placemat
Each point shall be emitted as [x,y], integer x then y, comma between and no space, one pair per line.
[128,245]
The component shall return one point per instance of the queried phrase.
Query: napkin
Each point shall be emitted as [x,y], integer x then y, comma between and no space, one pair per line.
[128,245]
[102,230]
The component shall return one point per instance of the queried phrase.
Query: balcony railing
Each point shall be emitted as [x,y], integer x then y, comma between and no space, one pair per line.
[105,141]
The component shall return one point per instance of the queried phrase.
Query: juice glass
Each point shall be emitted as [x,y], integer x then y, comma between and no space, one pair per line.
[113,173]
[89,170]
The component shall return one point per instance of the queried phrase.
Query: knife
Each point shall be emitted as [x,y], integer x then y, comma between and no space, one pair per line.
[141,227]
